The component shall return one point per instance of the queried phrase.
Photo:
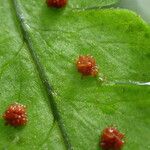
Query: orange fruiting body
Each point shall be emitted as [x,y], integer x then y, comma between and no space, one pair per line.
[56,3]
[16,115]
[86,65]
[111,139]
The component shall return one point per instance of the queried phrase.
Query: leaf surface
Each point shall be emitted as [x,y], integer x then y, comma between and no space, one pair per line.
[20,82]
[118,40]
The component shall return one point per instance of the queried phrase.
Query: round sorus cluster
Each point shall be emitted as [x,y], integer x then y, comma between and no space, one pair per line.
[111,139]
[15,115]
[56,3]
[86,65]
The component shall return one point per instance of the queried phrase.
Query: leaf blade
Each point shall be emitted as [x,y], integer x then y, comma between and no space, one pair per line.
[64,45]
[88,89]
[20,82]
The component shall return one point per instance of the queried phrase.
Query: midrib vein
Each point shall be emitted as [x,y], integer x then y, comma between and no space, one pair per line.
[42,75]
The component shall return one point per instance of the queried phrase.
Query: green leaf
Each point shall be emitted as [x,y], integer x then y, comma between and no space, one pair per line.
[90,4]
[20,82]
[80,108]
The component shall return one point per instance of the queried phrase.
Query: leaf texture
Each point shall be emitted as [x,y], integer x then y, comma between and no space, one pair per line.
[38,70]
